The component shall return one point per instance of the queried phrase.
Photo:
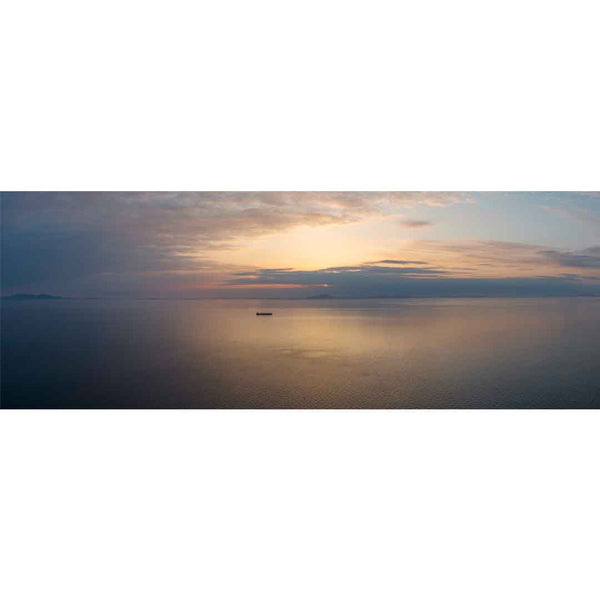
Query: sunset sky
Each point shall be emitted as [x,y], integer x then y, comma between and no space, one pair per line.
[299,244]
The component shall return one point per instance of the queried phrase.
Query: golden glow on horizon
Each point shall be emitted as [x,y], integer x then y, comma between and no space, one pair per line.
[275,286]
[305,248]
[430,244]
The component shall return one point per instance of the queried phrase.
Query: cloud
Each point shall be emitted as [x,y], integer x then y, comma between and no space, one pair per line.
[494,258]
[589,216]
[184,218]
[137,243]
[329,275]
[590,260]
[490,255]
[372,281]
[94,239]
[414,223]
[397,262]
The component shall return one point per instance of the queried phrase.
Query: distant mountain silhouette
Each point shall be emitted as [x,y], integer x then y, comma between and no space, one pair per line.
[320,297]
[32,297]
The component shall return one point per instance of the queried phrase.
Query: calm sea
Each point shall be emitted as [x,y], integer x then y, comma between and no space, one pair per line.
[442,353]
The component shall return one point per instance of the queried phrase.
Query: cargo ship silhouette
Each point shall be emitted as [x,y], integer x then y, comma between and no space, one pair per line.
[263,314]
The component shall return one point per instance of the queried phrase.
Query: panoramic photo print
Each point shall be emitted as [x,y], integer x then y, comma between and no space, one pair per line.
[300,300]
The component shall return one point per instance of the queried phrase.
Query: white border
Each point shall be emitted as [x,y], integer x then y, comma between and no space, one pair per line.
[299,504]
[312,95]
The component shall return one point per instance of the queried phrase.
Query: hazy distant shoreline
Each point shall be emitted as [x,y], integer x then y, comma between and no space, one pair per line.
[33,297]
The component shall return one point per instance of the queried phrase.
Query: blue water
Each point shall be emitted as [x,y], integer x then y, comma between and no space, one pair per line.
[440,353]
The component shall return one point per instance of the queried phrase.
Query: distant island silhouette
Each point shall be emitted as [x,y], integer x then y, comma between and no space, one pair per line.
[32,297]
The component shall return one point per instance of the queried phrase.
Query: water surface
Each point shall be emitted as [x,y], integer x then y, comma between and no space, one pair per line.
[441,353]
